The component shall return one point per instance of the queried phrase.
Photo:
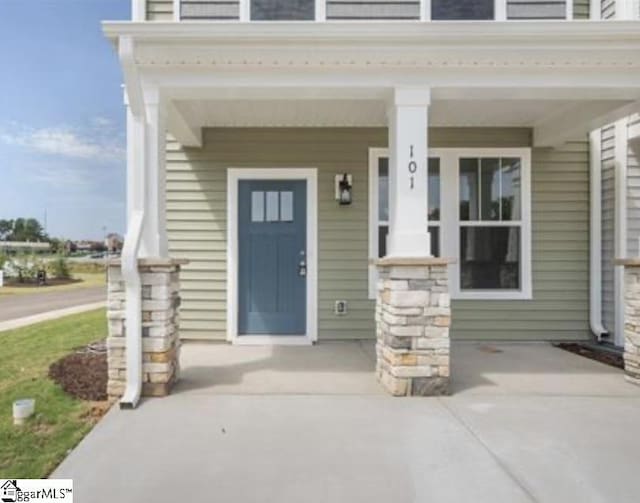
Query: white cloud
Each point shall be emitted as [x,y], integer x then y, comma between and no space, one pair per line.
[66,142]
[101,122]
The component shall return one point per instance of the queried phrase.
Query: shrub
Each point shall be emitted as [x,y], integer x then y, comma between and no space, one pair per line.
[59,268]
[26,266]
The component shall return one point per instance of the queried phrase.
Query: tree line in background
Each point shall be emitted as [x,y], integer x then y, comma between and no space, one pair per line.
[22,229]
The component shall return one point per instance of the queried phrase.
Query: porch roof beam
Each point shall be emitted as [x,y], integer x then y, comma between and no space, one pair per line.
[187,134]
[577,120]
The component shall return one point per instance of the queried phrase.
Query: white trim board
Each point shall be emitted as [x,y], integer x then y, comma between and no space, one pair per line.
[310,175]
[449,218]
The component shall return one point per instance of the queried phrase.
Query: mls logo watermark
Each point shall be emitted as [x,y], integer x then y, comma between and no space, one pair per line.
[15,490]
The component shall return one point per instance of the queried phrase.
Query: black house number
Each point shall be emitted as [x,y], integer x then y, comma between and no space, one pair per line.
[413,167]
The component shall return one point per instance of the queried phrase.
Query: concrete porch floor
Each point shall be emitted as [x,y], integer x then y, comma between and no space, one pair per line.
[526,422]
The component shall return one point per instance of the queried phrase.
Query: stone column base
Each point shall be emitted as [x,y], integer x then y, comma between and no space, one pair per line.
[413,315]
[631,319]
[160,327]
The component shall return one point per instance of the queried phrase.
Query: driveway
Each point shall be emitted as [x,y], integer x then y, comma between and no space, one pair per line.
[22,306]
[526,422]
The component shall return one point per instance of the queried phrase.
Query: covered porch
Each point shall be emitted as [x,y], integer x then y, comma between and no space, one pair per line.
[554,82]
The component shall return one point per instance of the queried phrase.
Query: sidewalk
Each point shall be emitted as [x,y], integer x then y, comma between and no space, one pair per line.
[20,310]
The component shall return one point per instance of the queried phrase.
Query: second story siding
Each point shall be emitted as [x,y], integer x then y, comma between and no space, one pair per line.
[210,9]
[346,10]
[536,9]
[159,10]
[372,9]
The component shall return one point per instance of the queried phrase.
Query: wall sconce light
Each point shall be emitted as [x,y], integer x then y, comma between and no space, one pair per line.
[344,188]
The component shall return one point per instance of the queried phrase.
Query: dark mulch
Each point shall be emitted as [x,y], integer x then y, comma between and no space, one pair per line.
[31,283]
[602,355]
[83,374]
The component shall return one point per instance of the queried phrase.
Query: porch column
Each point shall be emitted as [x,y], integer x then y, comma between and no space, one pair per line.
[413,311]
[631,318]
[154,236]
[143,298]
[407,117]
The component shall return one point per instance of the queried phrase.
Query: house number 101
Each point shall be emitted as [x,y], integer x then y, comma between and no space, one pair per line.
[413,167]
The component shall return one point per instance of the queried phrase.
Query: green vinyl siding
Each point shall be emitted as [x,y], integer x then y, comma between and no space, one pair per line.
[196,207]
[560,259]
[196,221]
[159,10]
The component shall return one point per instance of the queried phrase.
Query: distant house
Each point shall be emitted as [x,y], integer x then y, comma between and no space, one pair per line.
[114,242]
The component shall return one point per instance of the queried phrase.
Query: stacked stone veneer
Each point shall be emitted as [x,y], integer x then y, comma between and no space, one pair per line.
[413,316]
[160,327]
[632,319]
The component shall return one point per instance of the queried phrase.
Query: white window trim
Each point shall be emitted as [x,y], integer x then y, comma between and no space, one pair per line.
[177,8]
[450,223]
[310,175]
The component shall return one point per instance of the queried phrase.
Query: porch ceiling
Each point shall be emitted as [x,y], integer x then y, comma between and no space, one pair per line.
[371,113]
[553,121]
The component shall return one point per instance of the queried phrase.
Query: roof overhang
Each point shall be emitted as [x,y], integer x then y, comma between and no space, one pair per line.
[590,69]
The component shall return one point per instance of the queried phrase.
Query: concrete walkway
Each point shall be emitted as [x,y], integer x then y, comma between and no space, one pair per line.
[20,310]
[527,422]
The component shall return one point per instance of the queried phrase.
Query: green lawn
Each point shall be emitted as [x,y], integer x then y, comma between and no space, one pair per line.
[86,279]
[36,448]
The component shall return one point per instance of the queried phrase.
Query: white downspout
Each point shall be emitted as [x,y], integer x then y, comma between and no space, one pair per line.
[133,287]
[136,204]
[595,235]
[620,245]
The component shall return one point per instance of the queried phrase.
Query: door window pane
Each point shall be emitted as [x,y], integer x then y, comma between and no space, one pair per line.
[286,206]
[490,189]
[462,9]
[272,206]
[469,189]
[511,189]
[490,258]
[282,10]
[257,206]
[434,188]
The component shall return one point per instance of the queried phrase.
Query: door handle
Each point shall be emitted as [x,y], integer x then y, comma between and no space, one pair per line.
[302,268]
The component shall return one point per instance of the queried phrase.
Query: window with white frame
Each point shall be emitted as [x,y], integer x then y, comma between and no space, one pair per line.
[479,215]
[490,223]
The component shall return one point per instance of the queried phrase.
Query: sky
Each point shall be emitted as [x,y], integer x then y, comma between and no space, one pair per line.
[62,119]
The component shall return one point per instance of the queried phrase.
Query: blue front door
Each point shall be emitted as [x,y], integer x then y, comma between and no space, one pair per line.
[273,257]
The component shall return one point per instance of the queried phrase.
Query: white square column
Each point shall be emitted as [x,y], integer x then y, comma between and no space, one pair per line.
[154,236]
[146,176]
[408,122]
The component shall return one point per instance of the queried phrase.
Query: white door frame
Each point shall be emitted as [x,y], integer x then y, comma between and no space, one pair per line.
[310,175]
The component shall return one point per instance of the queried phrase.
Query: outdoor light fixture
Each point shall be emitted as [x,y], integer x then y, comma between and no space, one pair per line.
[344,187]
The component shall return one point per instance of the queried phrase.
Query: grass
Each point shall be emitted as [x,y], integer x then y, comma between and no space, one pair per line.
[86,279]
[33,450]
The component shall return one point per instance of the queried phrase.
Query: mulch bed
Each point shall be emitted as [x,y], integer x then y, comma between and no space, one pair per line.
[31,283]
[605,356]
[83,374]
